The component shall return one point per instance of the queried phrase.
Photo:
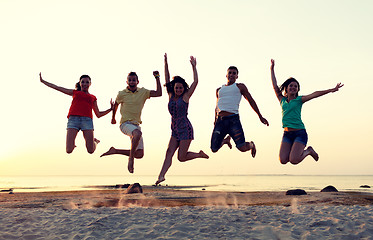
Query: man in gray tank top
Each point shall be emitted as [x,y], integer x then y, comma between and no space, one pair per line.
[227,120]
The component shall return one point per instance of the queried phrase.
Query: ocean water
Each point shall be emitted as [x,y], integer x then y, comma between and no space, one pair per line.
[241,183]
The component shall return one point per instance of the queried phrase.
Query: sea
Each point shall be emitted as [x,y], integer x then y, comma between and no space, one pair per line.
[237,183]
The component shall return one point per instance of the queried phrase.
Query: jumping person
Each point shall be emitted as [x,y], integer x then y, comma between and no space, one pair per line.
[80,113]
[132,100]
[295,137]
[227,120]
[179,94]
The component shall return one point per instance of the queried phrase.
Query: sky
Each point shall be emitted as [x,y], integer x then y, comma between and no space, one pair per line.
[320,43]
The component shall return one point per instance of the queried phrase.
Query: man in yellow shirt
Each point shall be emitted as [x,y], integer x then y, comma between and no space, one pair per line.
[132,100]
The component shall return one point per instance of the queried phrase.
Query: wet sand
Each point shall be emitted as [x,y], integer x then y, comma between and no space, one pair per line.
[173,197]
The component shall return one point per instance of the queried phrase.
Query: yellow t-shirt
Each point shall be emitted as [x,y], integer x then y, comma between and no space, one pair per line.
[131,104]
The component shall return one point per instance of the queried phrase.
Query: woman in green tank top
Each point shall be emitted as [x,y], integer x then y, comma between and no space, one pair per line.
[295,137]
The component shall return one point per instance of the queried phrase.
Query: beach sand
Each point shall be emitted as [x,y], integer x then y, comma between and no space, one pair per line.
[169,213]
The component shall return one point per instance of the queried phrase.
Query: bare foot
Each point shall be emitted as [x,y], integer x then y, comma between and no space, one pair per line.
[313,153]
[130,164]
[96,140]
[112,150]
[159,180]
[203,155]
[227,141]
[253,149]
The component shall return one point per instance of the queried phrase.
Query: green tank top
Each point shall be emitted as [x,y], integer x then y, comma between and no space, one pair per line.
[291,113]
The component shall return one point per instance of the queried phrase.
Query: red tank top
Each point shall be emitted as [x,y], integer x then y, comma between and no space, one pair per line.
[82,104]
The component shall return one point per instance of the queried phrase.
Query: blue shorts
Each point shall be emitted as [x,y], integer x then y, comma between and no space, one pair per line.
[227,125]
[80,123]
[295,136]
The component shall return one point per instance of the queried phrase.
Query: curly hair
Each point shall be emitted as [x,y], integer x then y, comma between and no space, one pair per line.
[171,85]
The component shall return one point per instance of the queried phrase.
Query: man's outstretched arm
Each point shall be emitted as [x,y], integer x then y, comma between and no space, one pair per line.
[245,93]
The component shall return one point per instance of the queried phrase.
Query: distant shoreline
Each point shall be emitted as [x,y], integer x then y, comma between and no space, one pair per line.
[247,183]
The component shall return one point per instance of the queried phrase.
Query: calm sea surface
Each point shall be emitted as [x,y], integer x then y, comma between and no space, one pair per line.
[240,183]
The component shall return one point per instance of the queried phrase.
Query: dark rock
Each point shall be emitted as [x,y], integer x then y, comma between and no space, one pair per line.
[122,185]
[296,192]
[365,186]
[134,188]
[329,189]
[7,190]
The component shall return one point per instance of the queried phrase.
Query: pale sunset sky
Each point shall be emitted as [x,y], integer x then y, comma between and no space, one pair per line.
[319,42]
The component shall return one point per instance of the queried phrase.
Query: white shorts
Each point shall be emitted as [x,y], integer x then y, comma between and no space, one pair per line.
[127,128]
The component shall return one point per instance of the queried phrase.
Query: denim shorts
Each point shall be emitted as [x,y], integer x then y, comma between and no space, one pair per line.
[295,136]
[127,128]
[80,123]
[227,125]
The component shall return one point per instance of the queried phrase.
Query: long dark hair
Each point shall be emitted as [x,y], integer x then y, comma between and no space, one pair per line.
[171,85]
[77,85]
[285,85]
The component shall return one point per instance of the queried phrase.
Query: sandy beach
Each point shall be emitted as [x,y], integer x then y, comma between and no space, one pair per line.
[169,213]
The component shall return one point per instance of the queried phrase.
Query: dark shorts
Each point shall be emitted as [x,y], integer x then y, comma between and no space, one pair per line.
[227,125]
[80,123]
[295,136]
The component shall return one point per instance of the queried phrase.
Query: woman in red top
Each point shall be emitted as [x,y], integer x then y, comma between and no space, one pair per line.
[80,113]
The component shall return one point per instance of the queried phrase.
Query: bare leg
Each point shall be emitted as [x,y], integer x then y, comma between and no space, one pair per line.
[313,153]
[70,139]
[135,139]
[248,146]
[184,155]
[172,146]
[139,153]
[297,153]
[285,152]
[90,141]
[111,151]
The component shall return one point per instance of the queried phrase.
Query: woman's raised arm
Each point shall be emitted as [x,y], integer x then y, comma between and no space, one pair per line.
[274,81]
[193,86]
[58,88]
[166,72]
